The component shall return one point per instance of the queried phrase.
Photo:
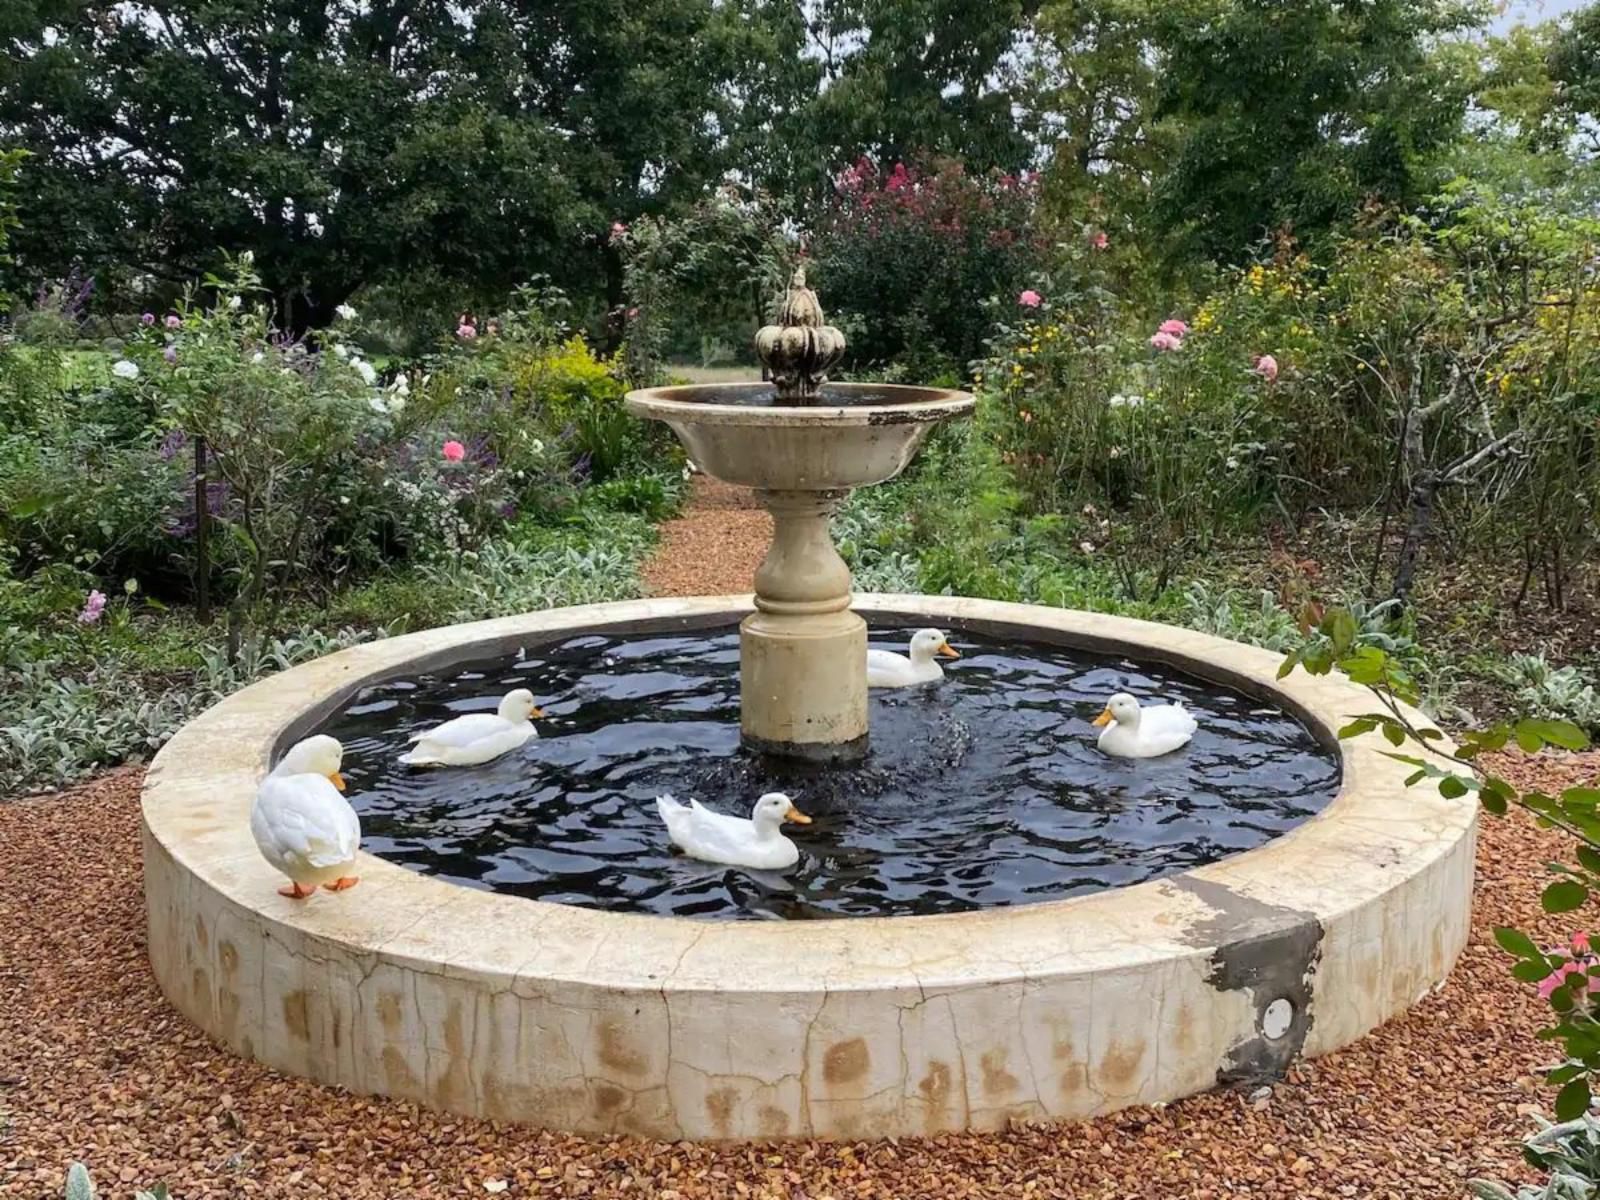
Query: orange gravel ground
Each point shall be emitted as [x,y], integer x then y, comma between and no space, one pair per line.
[95,1066]
[714,548]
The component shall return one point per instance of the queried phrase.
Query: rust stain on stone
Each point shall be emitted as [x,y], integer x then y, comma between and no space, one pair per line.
[228,954]
[200,982]
[615,1051]
[389,1010]
[608,1099]
[402,1081]
[997,1081]
[227,1012]
[719,1107]
[1119,1066]
[453,1087]
[200,934]
[1072,1082]
[774,1122]
[935,1085]
[297,1016]
[846,1062]
[1183,1029]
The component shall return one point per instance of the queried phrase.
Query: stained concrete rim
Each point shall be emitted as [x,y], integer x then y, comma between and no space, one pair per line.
[661,404]
[1373,837]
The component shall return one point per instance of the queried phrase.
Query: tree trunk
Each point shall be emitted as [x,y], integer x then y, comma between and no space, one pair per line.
[1419,519]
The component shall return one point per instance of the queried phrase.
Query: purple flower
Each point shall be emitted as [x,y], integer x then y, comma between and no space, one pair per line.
[170,354]
[92,608]
[508,511]
[171,444]
[174,321]
[147,319]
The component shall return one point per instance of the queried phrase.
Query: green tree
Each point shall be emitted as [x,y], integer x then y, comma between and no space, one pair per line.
[476,142]
[905,78]
[1296,112]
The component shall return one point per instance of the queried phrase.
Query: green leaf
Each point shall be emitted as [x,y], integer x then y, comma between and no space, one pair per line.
[1529,741]
[1572,1101]
[1563,895]
[1357,727]
[1558,733]
[1495,804]
[1529,971]
[1341,630]
[1565,1072]
[1589,858]
[1395,734]
[1453,787]
[1286,668]
[1516,942]
[1581,797]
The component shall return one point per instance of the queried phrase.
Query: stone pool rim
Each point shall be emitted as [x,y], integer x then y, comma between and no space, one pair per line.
[597,1022]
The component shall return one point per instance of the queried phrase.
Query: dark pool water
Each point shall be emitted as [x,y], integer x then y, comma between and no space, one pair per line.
[764,395]
[982,791]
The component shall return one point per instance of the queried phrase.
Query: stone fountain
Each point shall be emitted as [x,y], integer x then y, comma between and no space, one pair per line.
[804,445]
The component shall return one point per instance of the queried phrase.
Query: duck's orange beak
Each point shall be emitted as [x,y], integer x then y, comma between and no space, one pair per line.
[536,711]
[795,815]
[1104,718]
[948,651]
[337,780]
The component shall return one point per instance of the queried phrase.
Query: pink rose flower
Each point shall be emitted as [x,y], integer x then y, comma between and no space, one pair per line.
[1100,241]
[1267,367]
[618,229]
[170,354]
[1030,299]
[632,314]
[1554,980]
[1580,943]
[147,319]
[454,451]
[92,608]
[466,332]
[1174,327]
[1165,341]
[174,321]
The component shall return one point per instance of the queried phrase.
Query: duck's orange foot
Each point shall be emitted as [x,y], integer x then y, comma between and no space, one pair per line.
[343,884]
[295,892]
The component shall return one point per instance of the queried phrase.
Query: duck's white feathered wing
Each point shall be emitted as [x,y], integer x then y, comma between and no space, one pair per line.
[887,669]
[460,732]
[304,819]
[1167,726]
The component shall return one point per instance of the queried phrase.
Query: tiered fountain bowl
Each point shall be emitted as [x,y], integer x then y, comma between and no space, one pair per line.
[990,922]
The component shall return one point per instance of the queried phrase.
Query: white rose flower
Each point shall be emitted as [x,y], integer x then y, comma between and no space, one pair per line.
[366,370]
[341,350]
[234,302]
[378,406]
[257,356]
[538,446]
[345,312]
[397,404]
[401,385]
[125,369]
[1086,547]
[248,257]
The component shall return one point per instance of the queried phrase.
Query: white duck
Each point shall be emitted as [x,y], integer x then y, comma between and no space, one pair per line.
[753,842]
[886,670]
[301,823]
[477,738]
[1134,732]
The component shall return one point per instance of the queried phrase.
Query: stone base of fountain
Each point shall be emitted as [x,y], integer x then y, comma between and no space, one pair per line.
[501,1007]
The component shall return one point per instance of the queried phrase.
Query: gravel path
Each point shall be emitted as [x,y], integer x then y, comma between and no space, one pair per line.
[93,1065]
[715,547]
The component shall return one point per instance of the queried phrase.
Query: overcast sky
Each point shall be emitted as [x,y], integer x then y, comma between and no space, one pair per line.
[1536,10]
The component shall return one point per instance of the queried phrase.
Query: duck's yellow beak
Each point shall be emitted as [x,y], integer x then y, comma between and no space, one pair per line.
[536,711]
[795,815]
[948,651]
[1104,718]
[337,780]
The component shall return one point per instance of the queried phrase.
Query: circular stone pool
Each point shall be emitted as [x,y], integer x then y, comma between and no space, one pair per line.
[497,1005]
[983,791]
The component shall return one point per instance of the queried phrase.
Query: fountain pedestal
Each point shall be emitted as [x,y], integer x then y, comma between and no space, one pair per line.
[803,444]
[803,653]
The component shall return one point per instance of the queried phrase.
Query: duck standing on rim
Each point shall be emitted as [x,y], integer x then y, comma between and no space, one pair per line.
[302,825]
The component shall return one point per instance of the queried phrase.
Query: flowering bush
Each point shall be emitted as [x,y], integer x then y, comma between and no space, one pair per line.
[907,254]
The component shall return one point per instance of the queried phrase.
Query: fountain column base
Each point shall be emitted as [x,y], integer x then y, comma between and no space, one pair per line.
[803,685]
[803,653]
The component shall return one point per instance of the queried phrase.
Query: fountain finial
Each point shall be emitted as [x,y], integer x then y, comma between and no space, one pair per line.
[800,348]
